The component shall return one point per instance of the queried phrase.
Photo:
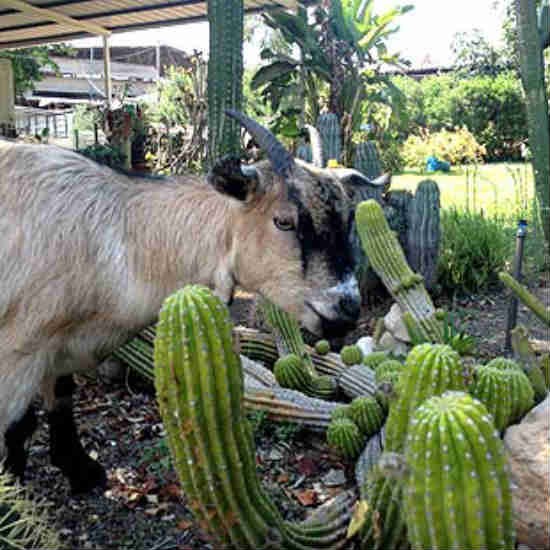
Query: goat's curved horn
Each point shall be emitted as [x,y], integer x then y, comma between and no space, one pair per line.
[281,160]
[316,143]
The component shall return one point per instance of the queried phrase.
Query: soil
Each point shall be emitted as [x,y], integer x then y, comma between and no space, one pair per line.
[143,507]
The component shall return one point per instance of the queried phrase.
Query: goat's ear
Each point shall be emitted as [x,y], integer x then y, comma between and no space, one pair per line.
[230,177]
[354,177]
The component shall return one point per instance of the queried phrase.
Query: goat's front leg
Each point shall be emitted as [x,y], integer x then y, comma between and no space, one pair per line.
[66,451]
[16,436]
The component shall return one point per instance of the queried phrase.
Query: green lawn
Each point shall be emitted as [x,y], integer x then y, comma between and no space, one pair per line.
[504,188]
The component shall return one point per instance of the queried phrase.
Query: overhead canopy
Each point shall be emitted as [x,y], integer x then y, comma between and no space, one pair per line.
[27,22]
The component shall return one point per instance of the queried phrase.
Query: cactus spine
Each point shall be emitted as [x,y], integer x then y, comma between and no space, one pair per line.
[367,160]
[457,494]
[430,369]
[329,128]
[199,385]
[387,259]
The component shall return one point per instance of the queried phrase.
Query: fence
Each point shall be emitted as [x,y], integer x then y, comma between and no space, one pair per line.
[54,123]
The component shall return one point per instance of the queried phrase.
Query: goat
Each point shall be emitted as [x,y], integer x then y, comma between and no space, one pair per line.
[88,254]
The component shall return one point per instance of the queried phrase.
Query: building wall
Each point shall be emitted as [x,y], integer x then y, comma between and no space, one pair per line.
[7,113]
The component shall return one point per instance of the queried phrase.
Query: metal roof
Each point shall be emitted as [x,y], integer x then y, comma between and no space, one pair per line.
[27,22]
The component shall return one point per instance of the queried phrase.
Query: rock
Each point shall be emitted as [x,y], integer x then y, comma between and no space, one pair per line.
[112,370]
[334,478]
[393,322]
[365,344]
[528,448]
[389,343]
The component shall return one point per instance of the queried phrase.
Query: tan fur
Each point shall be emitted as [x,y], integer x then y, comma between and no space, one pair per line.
[87,256]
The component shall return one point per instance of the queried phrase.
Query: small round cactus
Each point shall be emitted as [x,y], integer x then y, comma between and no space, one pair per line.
[502,363]
[367,414]
[387,366]
[322,347]
[351,355]
[323,386]
[340,412]
[344,435]
[457,494]
[374,358]
[290,372]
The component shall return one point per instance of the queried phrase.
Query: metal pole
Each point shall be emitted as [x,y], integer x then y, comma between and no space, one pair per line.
[513,305]
[107,65]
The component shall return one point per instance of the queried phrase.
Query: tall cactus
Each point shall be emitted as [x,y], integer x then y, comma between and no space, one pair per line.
[225,73]
[388,260]
[457,494]
[367,160]
[199,383]
[329,128]
[430,369]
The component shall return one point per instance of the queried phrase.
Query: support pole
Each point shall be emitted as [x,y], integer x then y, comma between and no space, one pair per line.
[107,65]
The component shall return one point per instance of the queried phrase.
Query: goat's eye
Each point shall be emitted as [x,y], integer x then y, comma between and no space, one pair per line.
[283,224]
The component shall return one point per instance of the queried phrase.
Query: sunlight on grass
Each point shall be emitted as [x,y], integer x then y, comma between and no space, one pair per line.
[505,189]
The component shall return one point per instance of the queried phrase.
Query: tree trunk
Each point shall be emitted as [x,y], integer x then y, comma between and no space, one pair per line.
[225,75]
[532,74]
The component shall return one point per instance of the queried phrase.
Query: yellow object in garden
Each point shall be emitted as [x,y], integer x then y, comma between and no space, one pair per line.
[333,163]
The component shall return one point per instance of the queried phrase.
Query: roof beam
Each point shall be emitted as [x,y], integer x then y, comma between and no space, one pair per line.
[52,15]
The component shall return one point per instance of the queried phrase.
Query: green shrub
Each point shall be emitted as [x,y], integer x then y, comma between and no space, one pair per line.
[474,248]
[457,147]
[104,154]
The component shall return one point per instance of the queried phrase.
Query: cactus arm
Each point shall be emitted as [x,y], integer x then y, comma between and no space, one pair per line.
[528,299]
[388,260]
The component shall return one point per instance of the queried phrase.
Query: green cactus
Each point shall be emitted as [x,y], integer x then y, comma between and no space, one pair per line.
[490,386]
[290,372]
[388,260]
[225,73]
[430,369]
[329,128]
[323,386]
[340,412]
[384,527]
[351,355]
[199,383]
[367,414]
[367,160]
[344,435]
[374,358]
[322,347]
[457,492]
[388,366]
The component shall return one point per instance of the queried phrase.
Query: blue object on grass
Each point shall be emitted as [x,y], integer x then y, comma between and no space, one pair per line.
[433,164]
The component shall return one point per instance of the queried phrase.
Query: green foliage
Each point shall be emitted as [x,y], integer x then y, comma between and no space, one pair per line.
[474,248]
[344,435]
[351,355]
[456,147]
[104,154]
[457,494]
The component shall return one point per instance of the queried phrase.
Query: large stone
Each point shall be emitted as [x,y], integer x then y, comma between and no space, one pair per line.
[393,321]
[528,448]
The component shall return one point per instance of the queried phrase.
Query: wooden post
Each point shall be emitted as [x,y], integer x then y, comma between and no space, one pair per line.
[107,65]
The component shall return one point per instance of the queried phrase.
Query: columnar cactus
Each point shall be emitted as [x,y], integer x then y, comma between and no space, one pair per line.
[344,435]
[367,414]
[304,152]
[367,160]
[430,369]
[329,128]
[457,492]
[199,385]
[423,231]
[225,72]
[387,259]
[351,355]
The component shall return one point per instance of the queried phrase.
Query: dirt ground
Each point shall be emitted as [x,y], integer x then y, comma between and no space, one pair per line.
[143,508]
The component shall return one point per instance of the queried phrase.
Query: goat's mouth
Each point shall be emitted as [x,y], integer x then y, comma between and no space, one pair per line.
[328,326]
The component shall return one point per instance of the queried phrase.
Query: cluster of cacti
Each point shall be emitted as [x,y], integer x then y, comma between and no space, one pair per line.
[367,160]
[351,355]
[344,435]
[225,72]
[387,259]
[430,369]
[374,358]
[24,521]
[322,347]
[329,128]
[199,385]
[290,372]
[457,491]
[367,414]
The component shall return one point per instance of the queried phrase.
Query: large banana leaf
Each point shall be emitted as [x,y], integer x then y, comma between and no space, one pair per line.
[271,72]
